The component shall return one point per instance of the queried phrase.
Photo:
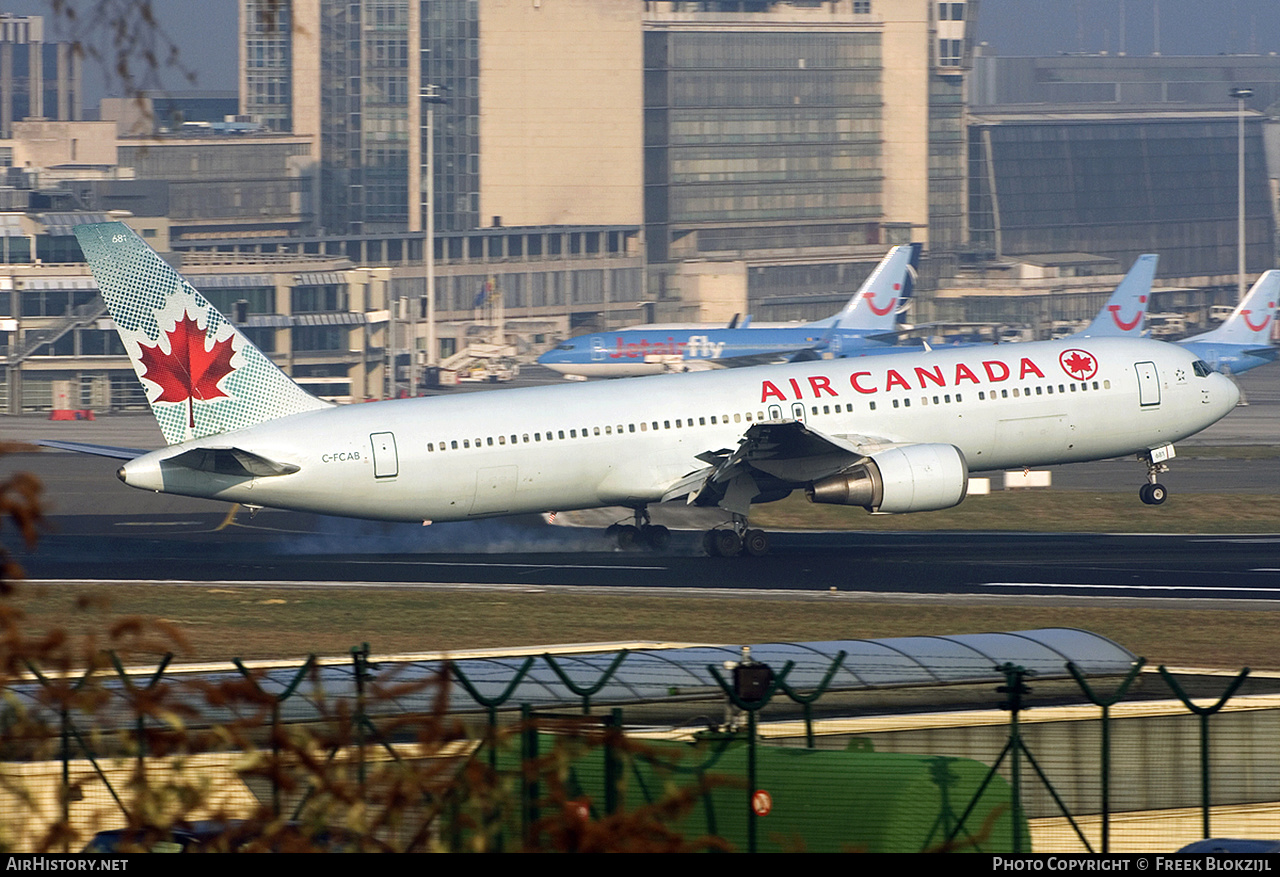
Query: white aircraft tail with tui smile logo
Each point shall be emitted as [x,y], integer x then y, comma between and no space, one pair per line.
[1125,313]
[201,375]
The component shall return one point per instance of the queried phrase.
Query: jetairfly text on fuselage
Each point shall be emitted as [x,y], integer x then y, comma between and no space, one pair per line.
[1079,367]
[697,347]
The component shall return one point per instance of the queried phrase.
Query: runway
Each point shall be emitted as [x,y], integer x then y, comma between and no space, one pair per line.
[284,547]
[103,530]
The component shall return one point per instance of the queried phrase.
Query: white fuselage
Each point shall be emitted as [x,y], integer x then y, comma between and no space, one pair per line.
[625,443]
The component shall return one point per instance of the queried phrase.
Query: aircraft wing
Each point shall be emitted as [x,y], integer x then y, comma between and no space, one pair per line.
[774,457]
[96,450]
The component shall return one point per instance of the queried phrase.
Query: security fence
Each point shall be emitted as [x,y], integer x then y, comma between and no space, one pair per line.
[460,755]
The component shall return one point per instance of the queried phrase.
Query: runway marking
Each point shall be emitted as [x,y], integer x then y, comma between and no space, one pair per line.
[1214,588]
[155,523]
[512,565]
[1243,540]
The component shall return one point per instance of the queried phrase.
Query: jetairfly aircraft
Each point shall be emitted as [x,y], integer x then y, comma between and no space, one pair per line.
[889,434]
[1243,341]
[868,320]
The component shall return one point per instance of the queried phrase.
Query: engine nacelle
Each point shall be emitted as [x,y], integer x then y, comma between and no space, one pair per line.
[913,478]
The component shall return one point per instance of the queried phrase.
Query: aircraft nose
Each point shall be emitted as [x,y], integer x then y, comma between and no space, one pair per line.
[1224,394]
[552,361]
[1231,392]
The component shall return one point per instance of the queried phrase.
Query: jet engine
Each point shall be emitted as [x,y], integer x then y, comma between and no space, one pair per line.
[913,478]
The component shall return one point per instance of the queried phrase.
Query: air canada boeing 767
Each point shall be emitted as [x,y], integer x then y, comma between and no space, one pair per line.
[889,434]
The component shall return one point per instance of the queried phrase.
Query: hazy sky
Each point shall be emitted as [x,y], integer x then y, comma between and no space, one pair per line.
[205,30]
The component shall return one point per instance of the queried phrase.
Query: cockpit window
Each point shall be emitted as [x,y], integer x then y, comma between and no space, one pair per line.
[1201,368]
[565,347]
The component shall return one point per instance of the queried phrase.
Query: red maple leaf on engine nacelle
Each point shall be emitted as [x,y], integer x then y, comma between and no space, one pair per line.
[188,371]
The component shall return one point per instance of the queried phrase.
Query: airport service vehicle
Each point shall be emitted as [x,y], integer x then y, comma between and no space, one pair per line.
[889,434]
[867,321]
[1243,341]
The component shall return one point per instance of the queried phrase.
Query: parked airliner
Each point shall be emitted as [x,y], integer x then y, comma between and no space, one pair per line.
[1243,341]
[868,320]
[890,434]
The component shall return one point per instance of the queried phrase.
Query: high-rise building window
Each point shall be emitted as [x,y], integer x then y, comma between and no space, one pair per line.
[950,52]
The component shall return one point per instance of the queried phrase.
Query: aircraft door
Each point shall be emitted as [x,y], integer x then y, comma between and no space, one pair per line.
[775,412]
[1148,384]
[597,349]
[797,412]
[386,463]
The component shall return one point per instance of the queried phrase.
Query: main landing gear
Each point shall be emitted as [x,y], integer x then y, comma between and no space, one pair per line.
[642,534]
[1153,492]
[735,540]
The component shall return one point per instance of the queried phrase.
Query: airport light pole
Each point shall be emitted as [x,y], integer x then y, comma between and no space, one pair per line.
[430,97]
[1241,95]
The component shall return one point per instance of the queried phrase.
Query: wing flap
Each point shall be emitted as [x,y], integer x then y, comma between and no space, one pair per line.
[771,458]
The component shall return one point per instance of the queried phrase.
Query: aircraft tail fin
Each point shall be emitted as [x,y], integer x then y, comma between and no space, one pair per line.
[1250,322]
[1124,314]
[201,375]
[874,307]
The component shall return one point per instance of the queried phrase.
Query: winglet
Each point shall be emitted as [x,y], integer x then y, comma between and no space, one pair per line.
[201,375]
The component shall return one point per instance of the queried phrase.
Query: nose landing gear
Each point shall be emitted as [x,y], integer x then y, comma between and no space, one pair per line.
[1153,492]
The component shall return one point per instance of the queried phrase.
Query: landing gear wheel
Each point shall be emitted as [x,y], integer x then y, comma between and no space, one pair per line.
[756,543]
[709,546]
[728,543]
[626,535]
[1153,494]
[656,536]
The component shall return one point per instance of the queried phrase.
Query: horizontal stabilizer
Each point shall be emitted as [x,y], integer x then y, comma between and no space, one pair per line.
[96,450]
[231,461]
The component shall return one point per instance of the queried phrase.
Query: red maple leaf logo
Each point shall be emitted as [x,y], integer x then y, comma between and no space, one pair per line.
[1078,364]
[188,371]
